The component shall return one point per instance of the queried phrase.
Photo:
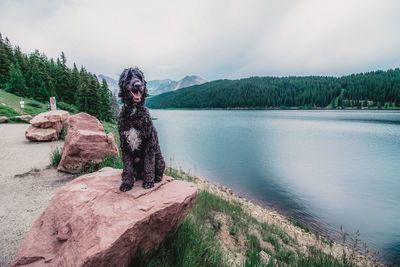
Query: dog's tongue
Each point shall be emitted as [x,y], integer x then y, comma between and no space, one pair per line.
[136,95]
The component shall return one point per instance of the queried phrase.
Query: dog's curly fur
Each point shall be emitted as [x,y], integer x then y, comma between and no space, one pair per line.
[141,152]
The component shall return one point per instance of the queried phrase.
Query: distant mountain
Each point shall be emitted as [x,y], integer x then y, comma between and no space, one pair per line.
[157,87]
[112,84]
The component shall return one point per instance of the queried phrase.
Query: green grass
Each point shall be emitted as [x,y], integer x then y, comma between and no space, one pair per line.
[300,225]
[7,111]
[56,157]
[64,132]
[12,101]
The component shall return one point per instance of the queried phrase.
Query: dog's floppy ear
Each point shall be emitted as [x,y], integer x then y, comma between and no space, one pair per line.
[122,79]
[145,89]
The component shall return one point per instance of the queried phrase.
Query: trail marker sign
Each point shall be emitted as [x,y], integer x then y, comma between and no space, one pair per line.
[53,103]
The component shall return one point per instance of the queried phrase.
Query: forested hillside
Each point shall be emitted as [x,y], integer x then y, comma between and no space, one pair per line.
[378,89]
[37,77]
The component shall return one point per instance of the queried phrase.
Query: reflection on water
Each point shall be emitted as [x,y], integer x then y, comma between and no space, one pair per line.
[326,168]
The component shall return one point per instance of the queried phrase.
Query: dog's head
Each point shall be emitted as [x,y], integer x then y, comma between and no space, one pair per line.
[132,87]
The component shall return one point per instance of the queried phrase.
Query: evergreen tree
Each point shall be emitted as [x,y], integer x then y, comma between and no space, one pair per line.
[83,94]
[4,64]
[105,99]
[114,107]
[16,84]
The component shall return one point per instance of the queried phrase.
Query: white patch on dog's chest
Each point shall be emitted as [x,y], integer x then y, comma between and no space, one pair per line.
[133,138]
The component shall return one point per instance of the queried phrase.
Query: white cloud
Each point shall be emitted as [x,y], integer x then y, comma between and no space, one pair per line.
[213,39]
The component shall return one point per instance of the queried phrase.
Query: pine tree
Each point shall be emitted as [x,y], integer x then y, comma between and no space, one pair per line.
[4,64]
[16,84]
[105,98]
[82,95]
[114,107]
[94,102]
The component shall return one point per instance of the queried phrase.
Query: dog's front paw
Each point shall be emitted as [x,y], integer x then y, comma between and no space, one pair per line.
[158,179]
[147,185]
[125,187]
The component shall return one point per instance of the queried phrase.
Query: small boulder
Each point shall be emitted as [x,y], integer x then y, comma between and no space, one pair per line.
[85,143]
[38,134]
[3,119]
[90,222]
[26,118]
[55,119]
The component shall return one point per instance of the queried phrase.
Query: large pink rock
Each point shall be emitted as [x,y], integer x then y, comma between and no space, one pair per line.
[55,119]
[84,121]
[85,143]
[39,134]
[90,222]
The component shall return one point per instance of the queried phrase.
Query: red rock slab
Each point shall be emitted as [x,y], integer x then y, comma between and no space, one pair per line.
[38,134]
[90,222]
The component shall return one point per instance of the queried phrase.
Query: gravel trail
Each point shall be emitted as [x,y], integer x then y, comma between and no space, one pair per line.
[27,185]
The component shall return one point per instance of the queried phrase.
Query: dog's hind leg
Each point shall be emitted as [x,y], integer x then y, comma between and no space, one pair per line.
[149,168]
[160,166]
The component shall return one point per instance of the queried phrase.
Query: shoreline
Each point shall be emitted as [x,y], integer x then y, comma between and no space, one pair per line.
[269,213]
[289,108]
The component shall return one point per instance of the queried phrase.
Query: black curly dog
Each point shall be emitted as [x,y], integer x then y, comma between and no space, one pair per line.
[141,152]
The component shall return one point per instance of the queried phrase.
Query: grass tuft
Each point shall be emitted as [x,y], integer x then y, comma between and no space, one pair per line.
[64,132]
[56,156]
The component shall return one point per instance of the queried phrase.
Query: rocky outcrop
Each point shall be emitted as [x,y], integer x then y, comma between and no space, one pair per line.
[90,222]
[38,134]
[85,143]
[47,126]
[3,119]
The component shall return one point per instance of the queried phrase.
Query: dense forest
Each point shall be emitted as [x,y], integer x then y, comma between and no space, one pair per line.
[37,77]
[378,89]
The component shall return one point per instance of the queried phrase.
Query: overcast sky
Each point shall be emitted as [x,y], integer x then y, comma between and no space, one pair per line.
[211,38]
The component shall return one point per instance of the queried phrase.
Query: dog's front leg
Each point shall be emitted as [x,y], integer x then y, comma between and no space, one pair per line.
[128,172]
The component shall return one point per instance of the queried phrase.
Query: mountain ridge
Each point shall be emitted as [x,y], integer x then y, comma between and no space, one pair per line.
[157,87]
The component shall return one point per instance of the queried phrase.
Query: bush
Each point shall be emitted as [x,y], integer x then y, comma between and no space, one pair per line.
[56,156]
[7,111]
[34,104]
[16,120]
[68,107]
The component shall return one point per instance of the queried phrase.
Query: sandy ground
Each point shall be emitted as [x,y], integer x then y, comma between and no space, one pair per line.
[26,185]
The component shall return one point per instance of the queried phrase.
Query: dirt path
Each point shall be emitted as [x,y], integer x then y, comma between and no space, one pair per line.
[26,185]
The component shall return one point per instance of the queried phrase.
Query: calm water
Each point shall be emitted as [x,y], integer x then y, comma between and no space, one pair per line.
[326,168]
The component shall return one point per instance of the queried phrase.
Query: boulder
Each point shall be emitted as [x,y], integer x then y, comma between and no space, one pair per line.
[26,118]
[90,222]
[85,143]
[3,119]
[38,134]
[55,119]
[84,121]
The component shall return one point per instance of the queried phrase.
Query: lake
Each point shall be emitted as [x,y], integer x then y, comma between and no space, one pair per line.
[324,168]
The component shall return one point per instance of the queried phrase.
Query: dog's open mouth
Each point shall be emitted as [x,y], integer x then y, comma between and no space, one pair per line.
[136,96]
